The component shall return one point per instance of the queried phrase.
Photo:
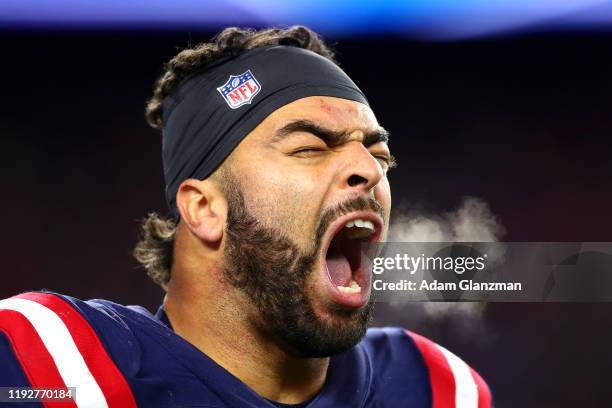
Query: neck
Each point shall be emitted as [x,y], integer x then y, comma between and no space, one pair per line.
[208,317]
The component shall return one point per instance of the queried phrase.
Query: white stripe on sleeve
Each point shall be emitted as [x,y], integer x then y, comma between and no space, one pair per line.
[466,391]
[57,339]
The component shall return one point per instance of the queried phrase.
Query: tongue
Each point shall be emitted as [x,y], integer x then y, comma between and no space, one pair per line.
[339,268]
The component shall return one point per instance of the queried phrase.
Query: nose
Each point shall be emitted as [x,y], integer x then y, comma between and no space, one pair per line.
[361,171]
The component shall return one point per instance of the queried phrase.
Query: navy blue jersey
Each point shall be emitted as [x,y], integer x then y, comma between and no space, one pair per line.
[124,356]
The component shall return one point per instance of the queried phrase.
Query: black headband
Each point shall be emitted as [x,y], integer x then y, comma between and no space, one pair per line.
[214,110]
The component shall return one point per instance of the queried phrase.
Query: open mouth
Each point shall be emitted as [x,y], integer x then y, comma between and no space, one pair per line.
[347,268]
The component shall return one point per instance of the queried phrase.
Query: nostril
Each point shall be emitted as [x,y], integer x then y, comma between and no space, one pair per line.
[355,180]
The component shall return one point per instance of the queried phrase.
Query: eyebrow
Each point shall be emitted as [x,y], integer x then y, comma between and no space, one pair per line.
[329,136]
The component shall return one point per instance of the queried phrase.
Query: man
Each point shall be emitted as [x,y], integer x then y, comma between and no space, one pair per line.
[275,173]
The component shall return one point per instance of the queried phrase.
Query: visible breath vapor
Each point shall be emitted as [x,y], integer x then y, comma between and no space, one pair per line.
[473,221]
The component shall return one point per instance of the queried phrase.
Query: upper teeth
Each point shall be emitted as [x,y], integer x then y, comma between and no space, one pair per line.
[360,223]
[368,228]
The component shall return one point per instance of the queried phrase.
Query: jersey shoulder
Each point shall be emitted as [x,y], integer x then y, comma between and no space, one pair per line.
[407,360]
[113,355]
[48,340]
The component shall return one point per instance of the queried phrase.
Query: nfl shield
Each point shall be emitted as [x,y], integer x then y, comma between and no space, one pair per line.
[239,89]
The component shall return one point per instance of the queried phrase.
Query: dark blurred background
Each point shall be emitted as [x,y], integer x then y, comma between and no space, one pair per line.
[520,120]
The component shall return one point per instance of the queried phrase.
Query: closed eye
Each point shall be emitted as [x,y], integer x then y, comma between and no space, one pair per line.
[308,150]
[388,160]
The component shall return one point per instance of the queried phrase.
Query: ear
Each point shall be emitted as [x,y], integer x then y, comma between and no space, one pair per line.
[203,209]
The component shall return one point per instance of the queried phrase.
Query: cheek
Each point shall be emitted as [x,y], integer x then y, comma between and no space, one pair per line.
[382,194]
[286,200]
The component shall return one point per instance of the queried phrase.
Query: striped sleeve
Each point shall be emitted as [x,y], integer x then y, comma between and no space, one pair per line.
[453,383]
[11,373]
[56,347]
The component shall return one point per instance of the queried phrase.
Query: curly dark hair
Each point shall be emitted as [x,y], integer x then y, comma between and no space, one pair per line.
[228,43]
[154,251]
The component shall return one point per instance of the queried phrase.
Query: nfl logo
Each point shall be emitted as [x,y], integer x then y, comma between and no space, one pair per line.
[239,89]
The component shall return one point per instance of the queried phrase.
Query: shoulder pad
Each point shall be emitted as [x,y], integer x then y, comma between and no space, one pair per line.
[454,384]
[57,347]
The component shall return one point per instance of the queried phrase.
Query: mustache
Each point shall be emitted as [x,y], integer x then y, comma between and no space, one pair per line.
[345,207]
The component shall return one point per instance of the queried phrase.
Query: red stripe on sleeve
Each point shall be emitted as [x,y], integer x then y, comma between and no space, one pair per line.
[115,388]
[484,393]
[440,374]
[33,356]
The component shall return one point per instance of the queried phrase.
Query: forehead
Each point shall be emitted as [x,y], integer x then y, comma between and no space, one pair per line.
[330,112]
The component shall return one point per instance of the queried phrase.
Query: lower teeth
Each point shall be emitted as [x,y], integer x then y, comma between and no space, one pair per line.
[352,288]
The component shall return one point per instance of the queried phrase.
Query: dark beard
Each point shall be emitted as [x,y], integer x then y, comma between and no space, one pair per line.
[273,272]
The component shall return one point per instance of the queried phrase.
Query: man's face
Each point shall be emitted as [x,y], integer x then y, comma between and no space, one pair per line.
[308,186]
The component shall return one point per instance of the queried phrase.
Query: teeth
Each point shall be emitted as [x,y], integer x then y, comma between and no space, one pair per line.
[364,228]
[352,288]
[360,223]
